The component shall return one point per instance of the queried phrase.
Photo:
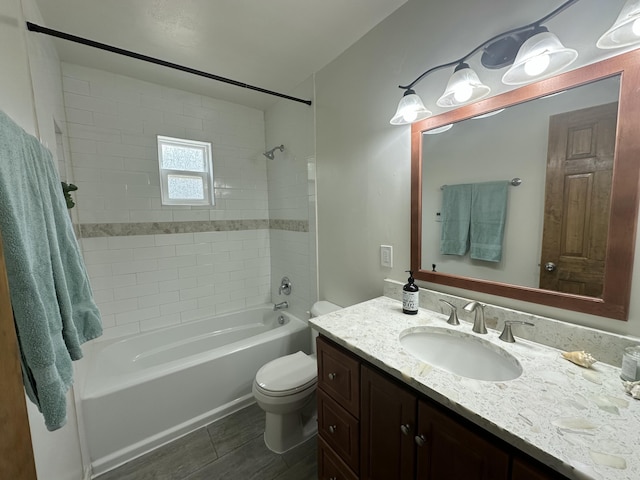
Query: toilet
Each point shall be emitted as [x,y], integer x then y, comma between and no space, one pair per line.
[285,389]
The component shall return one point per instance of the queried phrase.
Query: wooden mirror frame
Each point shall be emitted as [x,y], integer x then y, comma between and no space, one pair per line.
[624,192]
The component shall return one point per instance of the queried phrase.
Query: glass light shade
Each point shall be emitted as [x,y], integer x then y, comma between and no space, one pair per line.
[410,109]
[625,30]
[541,55]
[442,129]
[463,87]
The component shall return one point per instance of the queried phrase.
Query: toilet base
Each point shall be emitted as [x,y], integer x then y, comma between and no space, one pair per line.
[283,432]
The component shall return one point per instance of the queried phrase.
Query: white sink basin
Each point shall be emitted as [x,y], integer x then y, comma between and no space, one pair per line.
[460,353]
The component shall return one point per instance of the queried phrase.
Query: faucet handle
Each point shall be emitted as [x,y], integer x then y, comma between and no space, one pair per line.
[453,316]
[285,286]
[507,335]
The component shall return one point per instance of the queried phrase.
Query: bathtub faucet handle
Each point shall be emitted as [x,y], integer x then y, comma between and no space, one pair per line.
[285,286]
[280,306]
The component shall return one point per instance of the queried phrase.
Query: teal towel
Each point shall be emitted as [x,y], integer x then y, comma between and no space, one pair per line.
[51,297]
[488,215]
[455,216]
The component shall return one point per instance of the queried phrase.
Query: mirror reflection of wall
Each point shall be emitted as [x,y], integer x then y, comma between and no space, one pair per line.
[510,144]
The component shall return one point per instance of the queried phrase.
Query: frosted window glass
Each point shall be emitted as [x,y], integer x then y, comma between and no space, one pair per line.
[185,188]
[183,158]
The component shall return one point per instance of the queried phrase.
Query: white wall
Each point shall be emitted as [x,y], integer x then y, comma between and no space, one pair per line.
[16,98]
[291,179]
[363,163]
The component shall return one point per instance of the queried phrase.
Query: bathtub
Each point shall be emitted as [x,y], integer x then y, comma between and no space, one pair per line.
[145,390]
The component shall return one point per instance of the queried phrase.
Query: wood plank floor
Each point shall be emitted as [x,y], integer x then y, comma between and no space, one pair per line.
[230,449]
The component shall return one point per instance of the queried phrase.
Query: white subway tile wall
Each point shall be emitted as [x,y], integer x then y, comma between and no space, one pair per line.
[145,282]
[112,126]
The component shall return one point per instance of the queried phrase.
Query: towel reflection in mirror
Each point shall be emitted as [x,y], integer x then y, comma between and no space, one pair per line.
[473,219]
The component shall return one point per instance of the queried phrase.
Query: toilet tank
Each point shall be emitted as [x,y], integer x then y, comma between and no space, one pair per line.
[321,307]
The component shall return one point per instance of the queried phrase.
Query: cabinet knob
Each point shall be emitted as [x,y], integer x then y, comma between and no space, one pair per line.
[332,428]
[333,478]
[332,376]
[420,440]
[405,429]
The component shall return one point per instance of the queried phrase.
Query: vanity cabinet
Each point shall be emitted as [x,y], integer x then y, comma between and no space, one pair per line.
[405,437]
[338,412]
[371,426]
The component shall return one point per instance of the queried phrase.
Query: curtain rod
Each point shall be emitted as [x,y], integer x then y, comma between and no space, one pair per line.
[32,27]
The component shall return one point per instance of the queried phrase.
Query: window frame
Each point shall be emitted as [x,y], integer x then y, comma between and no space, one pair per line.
[206,176]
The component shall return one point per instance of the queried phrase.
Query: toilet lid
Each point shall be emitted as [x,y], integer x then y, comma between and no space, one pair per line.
[287,374]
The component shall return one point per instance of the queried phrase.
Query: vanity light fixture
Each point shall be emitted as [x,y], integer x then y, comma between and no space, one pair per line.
[464,87]
[531,51]
[626,29]
[540,55]
[410,109]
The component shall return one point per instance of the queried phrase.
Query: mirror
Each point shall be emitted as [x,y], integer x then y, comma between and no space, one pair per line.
[466,153]
[517,274]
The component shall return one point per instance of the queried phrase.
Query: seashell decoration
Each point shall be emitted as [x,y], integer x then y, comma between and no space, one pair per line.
[633,389]
[581,358]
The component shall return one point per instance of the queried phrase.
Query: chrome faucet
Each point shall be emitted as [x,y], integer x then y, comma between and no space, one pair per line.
[280,306]
[478,323]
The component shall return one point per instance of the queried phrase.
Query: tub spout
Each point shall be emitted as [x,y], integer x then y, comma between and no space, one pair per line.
[280,306]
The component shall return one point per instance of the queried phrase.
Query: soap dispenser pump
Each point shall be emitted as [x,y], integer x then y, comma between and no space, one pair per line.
[410,293]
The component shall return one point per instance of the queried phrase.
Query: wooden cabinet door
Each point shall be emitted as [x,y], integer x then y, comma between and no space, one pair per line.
[451,451]
[386,410]
[526,469]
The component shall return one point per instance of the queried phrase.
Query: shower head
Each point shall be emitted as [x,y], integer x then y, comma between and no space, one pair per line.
[269,153]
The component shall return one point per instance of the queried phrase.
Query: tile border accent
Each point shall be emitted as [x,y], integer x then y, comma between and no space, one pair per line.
[92,230]
[289,225]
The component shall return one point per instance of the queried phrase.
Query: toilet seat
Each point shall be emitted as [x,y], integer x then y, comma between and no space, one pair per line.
[287,375]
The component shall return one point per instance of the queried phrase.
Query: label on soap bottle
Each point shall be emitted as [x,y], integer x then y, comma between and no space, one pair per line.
[410,302]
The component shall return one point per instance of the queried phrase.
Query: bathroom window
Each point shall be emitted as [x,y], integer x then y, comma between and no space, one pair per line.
[186,171]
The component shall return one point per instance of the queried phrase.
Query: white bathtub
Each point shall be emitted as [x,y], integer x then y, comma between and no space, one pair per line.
[148,389]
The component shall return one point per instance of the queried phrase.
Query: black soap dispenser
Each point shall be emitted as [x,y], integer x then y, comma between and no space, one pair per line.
[410,293]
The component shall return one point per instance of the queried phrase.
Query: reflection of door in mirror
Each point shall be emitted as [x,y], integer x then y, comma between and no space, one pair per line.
[577,199]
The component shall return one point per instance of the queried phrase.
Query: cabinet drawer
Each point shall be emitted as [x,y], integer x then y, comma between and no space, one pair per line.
[339,429]
[339,375]
[330,467]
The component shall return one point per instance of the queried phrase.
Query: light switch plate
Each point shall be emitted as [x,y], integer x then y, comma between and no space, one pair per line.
[386,256]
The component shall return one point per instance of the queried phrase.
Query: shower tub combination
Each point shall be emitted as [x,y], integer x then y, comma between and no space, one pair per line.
[145,390]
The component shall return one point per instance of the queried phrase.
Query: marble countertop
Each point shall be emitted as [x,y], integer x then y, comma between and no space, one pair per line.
[578,421]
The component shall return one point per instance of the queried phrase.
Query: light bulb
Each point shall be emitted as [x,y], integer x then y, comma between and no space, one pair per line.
[536,65]
[636,27]
[409,115]
[463,93]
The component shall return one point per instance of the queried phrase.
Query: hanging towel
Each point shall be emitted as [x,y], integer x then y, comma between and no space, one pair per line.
[488,214]
[53,305]
[456,216]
